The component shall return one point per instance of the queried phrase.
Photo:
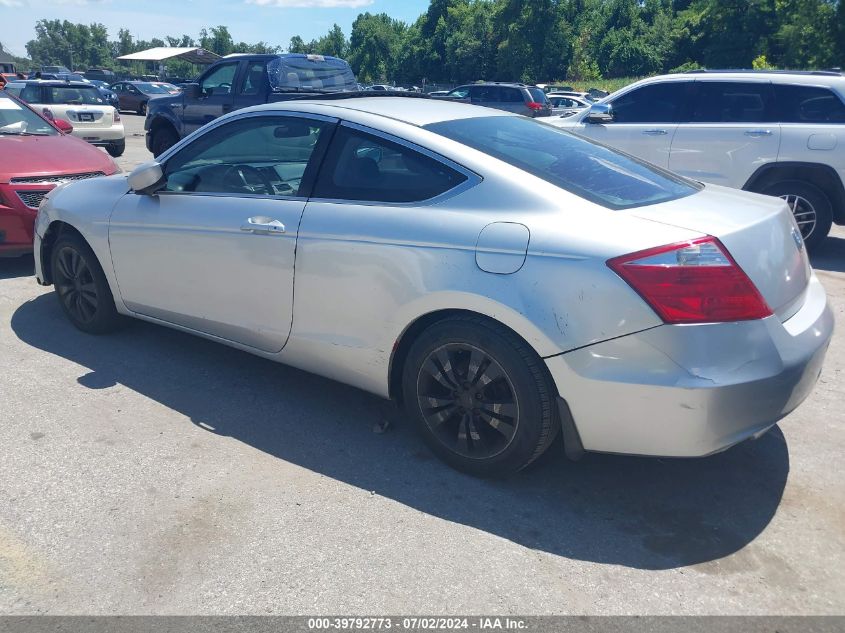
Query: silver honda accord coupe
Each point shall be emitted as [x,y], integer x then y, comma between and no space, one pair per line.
[502,279]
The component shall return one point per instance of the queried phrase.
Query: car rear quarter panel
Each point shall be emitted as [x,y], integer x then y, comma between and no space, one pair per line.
[365,273]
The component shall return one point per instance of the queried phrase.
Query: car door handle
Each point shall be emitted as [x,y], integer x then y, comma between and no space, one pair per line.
[655,132]
[758,133]
[262,225]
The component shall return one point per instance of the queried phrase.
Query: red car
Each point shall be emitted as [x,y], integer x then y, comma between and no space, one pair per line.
[35,156]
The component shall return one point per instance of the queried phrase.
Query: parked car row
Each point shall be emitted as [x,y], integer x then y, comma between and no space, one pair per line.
[511,97]
[303,192]
[36,155]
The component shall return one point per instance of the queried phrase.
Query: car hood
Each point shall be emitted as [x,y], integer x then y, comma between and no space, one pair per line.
[50,155]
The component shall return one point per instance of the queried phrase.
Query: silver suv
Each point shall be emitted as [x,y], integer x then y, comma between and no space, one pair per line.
[528,100]
[776,133]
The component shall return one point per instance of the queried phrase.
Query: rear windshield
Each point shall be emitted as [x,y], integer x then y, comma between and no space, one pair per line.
[75,95]
[315,72]
[589,170]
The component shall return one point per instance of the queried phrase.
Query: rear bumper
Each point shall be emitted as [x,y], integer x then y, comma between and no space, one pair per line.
[101,136]
[689,391]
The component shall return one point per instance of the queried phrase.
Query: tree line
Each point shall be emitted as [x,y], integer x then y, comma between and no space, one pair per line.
[529,40]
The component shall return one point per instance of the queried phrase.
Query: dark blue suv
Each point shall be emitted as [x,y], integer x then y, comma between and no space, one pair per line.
[238,82]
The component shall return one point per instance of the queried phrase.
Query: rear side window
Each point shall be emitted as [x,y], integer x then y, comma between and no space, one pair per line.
[254,79]
[538,95]
[808,104]
[486,94]
[732,102]
[655,103]
[594,172]
[512,95]
[365,167]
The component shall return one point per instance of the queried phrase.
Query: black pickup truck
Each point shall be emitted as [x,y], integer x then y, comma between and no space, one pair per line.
[238,82]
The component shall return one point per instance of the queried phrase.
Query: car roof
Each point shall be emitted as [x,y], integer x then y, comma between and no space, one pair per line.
[781,76]
[417,111]
[57,83]
[510,84]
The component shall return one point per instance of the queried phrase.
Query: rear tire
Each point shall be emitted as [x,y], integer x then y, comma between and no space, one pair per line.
[142,109]
[163,139]
[81,286]
[812,208]
[116,150]
[479,396]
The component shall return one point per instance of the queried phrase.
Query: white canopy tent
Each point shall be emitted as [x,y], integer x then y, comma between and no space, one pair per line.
[193,55]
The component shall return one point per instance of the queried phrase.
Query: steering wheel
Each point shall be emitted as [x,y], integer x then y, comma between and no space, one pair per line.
[241,172]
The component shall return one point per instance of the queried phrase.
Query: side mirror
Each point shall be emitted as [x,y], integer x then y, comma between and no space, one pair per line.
[600,113]
[64,126]
[192,91]
[145,177]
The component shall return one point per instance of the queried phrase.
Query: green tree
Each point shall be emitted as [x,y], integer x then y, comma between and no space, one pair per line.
[218,40]
[374,46]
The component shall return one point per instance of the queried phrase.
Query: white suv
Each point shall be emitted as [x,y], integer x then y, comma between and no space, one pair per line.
[777,133]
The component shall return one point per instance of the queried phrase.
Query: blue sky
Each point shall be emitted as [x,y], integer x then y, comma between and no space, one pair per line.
[273,21]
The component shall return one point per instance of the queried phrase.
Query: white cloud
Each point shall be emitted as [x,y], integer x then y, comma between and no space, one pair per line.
[309,4]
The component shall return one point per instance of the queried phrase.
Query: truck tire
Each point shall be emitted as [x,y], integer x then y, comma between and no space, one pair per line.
[117,148]
[163,139]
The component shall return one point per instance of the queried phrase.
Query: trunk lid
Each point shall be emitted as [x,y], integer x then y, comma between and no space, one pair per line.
[760,233]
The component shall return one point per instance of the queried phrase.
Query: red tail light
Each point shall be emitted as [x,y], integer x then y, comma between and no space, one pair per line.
[535,106]
[116,116]
[48,114]
[692,282]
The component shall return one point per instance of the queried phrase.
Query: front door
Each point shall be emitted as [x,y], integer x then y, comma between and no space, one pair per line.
[214,249]
[215,98]
[644,121]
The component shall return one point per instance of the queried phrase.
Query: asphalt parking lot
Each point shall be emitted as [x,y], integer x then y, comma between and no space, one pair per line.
[151,472]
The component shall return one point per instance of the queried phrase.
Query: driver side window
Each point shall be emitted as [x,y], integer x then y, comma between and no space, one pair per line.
[220,81]
[253,156]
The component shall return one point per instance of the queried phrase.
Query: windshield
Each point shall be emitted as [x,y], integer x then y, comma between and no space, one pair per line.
[589,170]
[315,72]
[75,95]
[16,120]
[151,89]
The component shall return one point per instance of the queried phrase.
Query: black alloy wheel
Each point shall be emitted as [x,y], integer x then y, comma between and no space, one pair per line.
[479,395]
[75,285]
[81,286]
[468,401]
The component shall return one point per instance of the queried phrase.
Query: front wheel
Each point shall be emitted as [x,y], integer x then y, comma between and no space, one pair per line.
[479,396]
[81,286]
[142,109]
[811,207]
[162,140]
